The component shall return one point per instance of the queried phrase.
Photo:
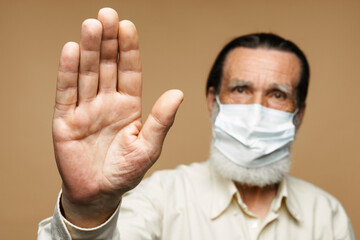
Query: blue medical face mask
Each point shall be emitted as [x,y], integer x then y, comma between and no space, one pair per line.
[252,135]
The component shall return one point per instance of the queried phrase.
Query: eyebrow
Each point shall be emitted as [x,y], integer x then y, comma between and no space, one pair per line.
[239,83]
[282,87]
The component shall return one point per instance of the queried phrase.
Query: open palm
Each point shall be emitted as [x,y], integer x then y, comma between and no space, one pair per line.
[102,148]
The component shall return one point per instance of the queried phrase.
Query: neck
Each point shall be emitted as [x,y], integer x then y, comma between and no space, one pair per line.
[257,199]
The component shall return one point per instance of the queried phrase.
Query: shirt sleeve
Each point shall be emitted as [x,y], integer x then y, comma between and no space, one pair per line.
[57,227]
[138,217]
[342,228]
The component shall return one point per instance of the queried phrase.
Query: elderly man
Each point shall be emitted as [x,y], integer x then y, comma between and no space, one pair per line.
[256,95]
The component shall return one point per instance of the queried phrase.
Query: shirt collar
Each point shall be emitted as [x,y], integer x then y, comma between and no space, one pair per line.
[286,192]
[223,191]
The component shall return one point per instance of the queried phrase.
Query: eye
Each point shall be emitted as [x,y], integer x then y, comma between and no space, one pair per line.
[240,89]
[279,95]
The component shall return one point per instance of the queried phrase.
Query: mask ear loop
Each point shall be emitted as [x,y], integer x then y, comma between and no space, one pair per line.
[296,117]
[216,109]
[218,100]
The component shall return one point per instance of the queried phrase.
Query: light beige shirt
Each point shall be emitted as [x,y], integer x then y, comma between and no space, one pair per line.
[195,202]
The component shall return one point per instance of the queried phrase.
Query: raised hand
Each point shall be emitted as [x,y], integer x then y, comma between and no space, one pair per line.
[102,149]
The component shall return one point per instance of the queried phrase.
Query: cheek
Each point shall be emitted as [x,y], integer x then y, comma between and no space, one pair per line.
[234,97]
[287,105]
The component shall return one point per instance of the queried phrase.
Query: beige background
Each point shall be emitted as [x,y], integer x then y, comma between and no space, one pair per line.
[179,41]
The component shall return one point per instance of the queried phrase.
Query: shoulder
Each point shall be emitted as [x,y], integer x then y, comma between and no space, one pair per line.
[302,189]
[176,186]
[196,170]
[307,194]
[173,178]
[317,207]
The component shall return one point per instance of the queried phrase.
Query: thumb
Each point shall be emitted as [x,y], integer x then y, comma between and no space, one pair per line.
[160,120]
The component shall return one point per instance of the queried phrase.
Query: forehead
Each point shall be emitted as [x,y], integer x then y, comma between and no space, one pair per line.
[261,65]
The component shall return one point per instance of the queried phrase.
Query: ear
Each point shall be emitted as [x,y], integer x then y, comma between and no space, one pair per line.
[300,116]
[211,98]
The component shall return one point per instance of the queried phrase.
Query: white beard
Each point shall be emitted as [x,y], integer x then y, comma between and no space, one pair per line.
[260,177]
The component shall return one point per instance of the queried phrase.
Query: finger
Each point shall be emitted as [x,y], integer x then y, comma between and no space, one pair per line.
[160,120]
[129,69]
[90,40]
[66,87]
[109,49]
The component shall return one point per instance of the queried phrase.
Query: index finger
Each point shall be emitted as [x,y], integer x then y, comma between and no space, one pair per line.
[66,88]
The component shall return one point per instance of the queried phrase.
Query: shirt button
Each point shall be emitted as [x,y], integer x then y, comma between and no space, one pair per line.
[254,224]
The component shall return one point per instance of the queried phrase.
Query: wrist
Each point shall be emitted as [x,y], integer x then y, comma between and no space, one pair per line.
[88,214]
